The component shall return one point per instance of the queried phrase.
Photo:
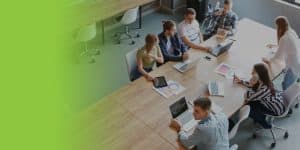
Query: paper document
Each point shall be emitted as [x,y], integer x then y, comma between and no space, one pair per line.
[172,89]
[225,70]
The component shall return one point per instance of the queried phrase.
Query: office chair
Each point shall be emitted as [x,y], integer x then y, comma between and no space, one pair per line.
[298,100]
[242,115]
[86,34]
[128,18]
[131,63]
[290,96]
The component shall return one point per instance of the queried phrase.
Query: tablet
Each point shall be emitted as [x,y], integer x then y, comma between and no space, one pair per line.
[160,82]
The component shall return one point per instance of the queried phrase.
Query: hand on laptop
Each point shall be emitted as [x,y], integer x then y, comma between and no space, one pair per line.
[175,125]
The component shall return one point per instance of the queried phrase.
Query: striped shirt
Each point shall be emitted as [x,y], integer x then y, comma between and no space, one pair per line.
[274,103]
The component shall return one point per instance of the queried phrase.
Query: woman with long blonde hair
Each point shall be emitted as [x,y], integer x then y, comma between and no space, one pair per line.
[288,51]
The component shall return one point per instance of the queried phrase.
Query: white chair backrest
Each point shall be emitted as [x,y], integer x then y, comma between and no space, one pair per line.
[131,62]
[234,147]
[87,33]
[291,94]
[130,16]
[243,114]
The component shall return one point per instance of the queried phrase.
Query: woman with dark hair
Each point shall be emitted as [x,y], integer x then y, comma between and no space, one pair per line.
[288,51]
[261,96]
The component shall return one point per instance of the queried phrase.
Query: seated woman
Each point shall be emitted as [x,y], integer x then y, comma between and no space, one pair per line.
[147,56]
[261,96]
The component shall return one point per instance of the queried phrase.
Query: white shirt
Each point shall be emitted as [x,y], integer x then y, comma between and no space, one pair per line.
[170,48]
[190,30]
[289,51]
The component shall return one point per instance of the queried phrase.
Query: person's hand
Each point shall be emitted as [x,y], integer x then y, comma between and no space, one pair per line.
[236,79]
[265,60]
[208,49]
[253,81]
[175,125]
[180,146]
[245,102]
[149,77]
[185,56]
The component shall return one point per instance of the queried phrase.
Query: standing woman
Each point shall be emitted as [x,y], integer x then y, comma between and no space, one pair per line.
[147,56]
[288,51]
[261,96]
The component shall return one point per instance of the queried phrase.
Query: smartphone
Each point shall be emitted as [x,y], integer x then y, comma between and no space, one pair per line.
[207,58]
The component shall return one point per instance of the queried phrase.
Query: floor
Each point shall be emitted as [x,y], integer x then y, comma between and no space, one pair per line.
[109,73]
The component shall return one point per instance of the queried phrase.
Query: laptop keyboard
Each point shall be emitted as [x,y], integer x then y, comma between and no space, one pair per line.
[186,117]
[184,66]
[188,126]
[214,88]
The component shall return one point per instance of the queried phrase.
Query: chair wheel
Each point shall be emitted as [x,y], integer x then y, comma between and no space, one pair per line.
[92,61]
[132,43]
[138,35]
[286,135]
[254,136]
[297,105]
[97,52]
[118,42]
[290,112]
[273,145]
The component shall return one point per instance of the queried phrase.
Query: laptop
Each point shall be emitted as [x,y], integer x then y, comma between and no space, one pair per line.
[221,48]
[181,113]
[216,88]
[186,65]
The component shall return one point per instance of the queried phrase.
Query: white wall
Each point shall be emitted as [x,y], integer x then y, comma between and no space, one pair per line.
[264,11]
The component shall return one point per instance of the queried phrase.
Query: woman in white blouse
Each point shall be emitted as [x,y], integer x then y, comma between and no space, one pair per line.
[288,51]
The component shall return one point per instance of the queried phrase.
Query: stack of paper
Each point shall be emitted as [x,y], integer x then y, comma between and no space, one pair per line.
[225,70]
[172,89]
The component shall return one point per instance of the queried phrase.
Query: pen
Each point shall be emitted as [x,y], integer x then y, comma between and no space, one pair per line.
[233,77]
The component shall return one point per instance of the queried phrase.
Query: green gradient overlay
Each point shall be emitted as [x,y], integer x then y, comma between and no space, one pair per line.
[45,94]
[33,94]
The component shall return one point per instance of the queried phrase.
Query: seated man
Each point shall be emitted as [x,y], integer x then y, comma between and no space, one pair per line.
[170,44]
[223,19]
[211,133]
[189,31]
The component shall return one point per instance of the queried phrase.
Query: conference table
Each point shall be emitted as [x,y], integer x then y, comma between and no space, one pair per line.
[85,12]
[137,117]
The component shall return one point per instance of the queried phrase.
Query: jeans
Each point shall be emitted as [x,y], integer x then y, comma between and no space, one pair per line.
[136,73]
[258,113]
[289,79]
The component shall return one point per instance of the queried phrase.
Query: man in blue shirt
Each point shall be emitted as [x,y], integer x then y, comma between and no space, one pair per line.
[211,133]
[170,44]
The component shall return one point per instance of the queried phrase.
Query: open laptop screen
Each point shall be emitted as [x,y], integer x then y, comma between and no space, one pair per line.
[178,107]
